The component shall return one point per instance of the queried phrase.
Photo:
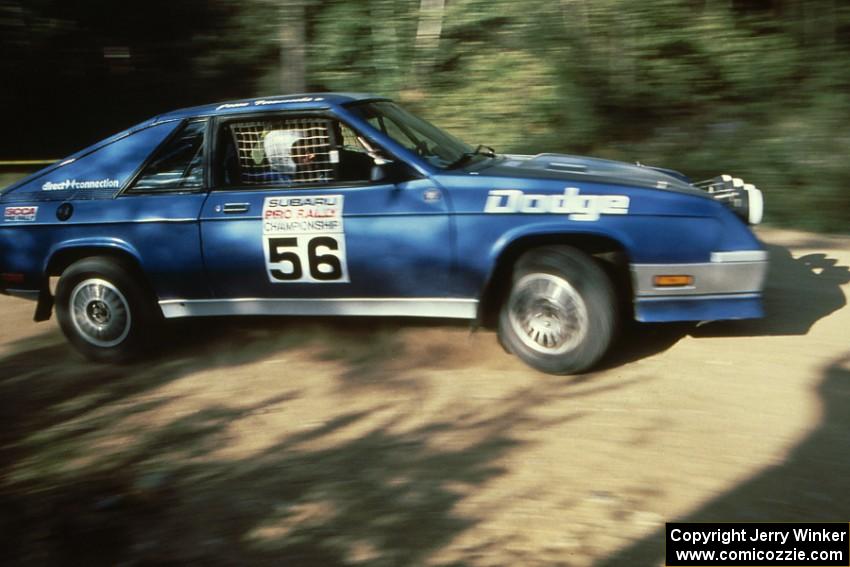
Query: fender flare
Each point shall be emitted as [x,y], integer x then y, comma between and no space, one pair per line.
[79,247]
[516,241]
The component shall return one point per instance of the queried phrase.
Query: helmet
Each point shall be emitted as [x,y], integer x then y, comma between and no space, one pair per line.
[278,147]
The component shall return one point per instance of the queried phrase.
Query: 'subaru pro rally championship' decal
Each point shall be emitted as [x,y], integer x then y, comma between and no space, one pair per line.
[304,239]
[20,214]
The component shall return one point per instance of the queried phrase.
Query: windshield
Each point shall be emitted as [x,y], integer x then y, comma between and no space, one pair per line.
[426,140]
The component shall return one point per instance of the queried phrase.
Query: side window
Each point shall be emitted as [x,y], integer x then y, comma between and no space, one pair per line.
[178,165]
[349,140]
[355,164]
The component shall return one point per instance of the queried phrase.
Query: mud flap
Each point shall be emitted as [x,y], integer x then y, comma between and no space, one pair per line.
[44,307]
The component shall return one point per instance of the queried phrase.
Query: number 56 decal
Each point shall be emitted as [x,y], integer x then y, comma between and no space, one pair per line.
[304,239]
[308,259]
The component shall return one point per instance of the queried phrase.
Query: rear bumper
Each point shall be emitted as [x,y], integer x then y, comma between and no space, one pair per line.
[727,287]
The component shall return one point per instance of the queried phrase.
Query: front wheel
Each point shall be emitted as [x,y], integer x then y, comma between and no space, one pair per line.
[103,311]
[560,314]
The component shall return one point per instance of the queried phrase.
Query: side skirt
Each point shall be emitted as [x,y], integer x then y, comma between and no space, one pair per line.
[450,308]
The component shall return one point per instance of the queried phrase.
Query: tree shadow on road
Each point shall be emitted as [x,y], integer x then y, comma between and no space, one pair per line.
[86,479]
[812,484]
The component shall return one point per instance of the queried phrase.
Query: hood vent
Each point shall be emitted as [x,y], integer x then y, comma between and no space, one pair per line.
[566,166]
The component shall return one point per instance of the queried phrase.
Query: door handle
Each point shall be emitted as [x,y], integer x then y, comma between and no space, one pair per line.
[231,208]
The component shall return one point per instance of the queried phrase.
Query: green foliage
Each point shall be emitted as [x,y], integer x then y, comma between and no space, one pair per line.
[757,88]
[362,46]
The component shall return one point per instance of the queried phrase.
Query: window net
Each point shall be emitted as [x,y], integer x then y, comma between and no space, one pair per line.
[295,151]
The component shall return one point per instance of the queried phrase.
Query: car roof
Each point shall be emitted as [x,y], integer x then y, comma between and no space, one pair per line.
[302,101]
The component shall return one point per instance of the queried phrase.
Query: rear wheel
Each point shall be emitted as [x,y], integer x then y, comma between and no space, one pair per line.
[560,314]
[103,311]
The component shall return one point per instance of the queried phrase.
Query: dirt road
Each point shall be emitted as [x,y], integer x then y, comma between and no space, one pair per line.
[345,442]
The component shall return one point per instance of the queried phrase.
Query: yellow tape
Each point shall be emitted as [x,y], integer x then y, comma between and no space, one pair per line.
[29,162]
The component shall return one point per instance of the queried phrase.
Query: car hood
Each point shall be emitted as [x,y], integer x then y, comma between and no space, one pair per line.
[579,168]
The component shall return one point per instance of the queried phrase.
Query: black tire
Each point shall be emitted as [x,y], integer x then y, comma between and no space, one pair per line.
[561,313]
[115,318]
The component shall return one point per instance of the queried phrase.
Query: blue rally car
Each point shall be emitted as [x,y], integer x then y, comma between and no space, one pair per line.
[346,204]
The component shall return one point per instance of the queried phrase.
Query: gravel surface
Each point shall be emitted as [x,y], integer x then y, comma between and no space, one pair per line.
[399,442]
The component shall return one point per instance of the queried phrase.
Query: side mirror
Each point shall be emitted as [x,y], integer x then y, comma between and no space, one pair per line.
[378,173]
[381,169]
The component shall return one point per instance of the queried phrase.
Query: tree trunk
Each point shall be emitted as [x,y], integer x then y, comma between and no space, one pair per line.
[292,47]
[428,35]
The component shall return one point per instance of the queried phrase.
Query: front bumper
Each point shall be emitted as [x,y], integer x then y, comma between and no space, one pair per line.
[727,287]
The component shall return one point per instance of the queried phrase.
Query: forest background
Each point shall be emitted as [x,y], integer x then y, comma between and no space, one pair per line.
[757,88]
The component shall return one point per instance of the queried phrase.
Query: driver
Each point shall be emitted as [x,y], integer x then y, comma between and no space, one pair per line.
[290,155]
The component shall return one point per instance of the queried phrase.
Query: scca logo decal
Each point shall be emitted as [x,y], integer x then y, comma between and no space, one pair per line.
[20,214]
[578,207]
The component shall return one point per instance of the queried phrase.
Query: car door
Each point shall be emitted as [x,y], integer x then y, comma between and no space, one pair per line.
[294,224]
